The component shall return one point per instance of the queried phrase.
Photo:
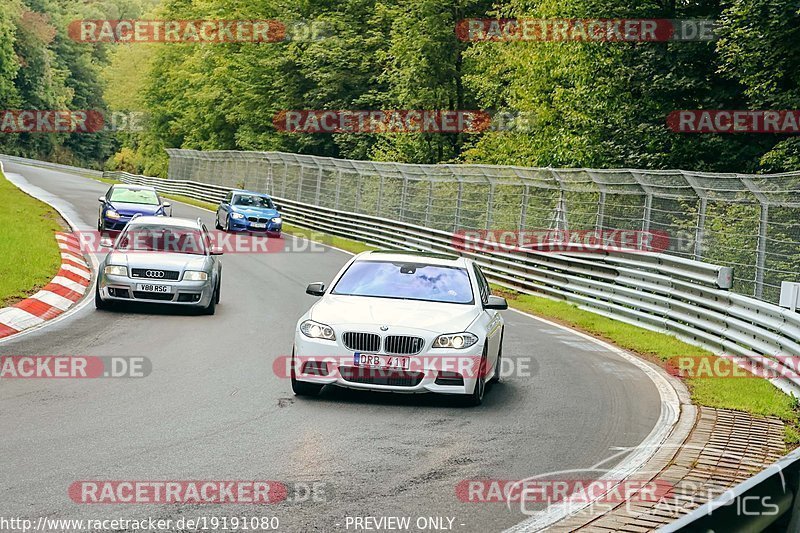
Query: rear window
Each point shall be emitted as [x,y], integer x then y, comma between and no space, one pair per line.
[134,196]
[406,281]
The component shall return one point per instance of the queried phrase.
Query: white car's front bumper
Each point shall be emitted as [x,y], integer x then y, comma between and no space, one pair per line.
[425,368]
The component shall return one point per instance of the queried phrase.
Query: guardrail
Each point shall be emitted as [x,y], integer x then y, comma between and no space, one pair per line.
[688,299]
[54,166]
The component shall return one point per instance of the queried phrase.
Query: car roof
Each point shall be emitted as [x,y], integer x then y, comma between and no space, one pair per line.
[243,191]
[166,221]
[430,258]
[133,187]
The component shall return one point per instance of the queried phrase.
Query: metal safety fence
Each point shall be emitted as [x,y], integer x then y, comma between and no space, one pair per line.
[748,222]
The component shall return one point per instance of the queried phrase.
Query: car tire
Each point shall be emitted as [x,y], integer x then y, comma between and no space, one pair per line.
[99,303]
[227,227]
[303,388]
[475,398]
[219,288]
[211,308]
[498,365]
[217,225]
[100,227]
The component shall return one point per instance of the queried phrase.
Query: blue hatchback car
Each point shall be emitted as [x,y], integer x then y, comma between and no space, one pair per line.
[121,202]
[248,211]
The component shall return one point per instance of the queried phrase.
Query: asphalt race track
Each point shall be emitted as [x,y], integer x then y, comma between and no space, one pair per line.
[213,408]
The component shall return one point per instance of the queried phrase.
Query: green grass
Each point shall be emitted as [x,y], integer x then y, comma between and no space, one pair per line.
[29,254]
[756,396]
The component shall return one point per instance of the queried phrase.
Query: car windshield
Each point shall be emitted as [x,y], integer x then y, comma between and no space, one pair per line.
[134,196]
[252,200]
[408,281]
[153,238]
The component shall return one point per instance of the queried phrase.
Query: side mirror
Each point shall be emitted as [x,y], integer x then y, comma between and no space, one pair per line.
[316,289]
[105,242]
[215,250]
[496,302]
[101,199]
[166,204]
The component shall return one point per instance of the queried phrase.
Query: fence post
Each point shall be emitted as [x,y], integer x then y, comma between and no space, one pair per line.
[490,207]
[319,186]
[761,247]
[338,188]
[403,194]
[523,212]
[457,222]
[699,234]
[358,192]
[380,198]
[648,212]
[298,197]
[601,214]
[429,202]
[761,250]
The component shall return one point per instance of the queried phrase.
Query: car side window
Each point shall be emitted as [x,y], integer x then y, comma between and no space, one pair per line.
[227,198]
[483,285]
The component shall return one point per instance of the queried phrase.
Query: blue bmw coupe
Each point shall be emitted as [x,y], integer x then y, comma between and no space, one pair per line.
[248,211]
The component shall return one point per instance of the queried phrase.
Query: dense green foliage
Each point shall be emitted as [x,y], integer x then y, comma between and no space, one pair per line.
[594,104]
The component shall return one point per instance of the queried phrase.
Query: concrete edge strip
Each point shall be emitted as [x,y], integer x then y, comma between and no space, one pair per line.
[72,282]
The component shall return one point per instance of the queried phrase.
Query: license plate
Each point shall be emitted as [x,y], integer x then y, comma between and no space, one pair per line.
[381,361]
[147,287]
[258,225]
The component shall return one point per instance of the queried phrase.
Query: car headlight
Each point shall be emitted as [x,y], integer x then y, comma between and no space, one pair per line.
[237,215]
[276,220]
[457,341]
[315,330]
[112,214]
[194,275]
[116,270]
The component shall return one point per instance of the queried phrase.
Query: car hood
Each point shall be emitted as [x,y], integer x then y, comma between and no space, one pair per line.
[131,209]
[263,212]
[431,316]
[158,260]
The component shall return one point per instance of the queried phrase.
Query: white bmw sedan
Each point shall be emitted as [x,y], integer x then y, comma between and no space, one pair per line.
[401,322]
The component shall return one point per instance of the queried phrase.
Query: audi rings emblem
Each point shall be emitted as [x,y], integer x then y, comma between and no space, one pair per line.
[154,273]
